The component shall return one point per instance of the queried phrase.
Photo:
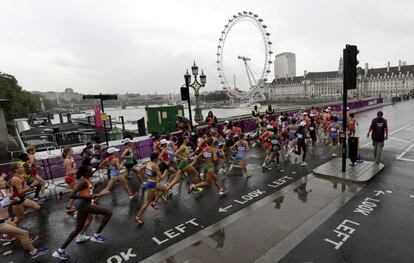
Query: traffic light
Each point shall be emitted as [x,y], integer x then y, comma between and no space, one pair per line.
[350,66]
[185,94]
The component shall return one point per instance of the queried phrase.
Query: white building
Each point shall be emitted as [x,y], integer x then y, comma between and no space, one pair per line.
[379,82]
[285,65]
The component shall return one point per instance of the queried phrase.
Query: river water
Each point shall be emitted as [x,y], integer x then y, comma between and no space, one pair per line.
[134,113]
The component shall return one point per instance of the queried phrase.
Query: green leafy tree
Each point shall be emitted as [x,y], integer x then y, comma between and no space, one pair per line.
[215,96]
[22,102]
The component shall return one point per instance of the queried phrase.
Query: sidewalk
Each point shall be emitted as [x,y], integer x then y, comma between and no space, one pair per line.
[266,230]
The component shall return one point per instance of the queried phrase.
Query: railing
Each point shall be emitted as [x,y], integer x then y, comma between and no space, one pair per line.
[47,141]
[52,168]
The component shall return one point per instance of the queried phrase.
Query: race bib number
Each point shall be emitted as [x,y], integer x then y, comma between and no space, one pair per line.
[207,155]
[171,156]
[311,128]
[300,136]
[274,141]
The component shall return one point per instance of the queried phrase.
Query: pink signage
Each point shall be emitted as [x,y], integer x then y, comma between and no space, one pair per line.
[98,119]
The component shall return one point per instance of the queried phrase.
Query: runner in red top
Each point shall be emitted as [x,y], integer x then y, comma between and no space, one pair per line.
[70,176]
[19,192]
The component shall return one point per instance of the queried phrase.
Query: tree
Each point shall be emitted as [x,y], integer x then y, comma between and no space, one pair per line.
[22,103]
[215,96]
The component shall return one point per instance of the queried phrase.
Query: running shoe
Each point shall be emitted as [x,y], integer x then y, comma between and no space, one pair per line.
[231,167]
[33,238]
[70,210]
[334,155]
[133,195]
[154,205]
[247,174]
[38,252]
[139,220]
[303,163]
[202,176]
[278,165]
[82,238]
[98,238]
[191,189]
[60,195]
[60,254]
[222,171]
[223,191]
[199,189]
[8,238]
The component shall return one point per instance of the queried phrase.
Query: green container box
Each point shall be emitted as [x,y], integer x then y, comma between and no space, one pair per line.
[163,118]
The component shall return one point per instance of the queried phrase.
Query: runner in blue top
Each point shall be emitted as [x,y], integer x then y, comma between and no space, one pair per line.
[112,163]
[333,130]
[242,147]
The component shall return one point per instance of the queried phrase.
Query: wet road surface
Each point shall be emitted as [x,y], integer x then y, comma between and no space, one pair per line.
[253,206]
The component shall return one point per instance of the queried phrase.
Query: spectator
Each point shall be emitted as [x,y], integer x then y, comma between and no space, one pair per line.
[255,112]
[270,110]
[379,129]
[211,120]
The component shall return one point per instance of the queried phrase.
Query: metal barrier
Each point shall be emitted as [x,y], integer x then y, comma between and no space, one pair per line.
[73,138]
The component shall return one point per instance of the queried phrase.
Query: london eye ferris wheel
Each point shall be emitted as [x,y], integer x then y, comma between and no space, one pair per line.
[256,81]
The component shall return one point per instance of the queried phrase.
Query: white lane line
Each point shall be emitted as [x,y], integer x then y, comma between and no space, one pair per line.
[391,133]
[6,244]
[398,139]
[405,159]
[405,151]
[7,253]
[411,196]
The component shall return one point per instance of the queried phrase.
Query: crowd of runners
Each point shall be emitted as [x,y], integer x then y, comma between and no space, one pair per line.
[201,156]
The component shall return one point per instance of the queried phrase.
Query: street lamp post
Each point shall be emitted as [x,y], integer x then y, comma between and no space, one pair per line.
[196,87]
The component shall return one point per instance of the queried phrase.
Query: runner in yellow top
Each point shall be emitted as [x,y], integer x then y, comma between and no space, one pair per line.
[153,175]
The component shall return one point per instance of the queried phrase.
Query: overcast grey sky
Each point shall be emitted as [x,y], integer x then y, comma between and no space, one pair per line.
[145,46]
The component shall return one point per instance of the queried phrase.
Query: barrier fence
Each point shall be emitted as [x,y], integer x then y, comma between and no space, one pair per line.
[52,168]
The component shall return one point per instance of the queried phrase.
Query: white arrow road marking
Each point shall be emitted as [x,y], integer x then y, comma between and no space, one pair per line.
[221,210]
[6,244]
[388,192]
[7,253]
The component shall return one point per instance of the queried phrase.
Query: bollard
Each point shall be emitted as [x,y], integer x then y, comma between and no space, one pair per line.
[61,117]
[69,116]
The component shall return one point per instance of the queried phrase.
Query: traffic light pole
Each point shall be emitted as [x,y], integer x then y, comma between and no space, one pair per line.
[104,122]
[350,53]
[344,125]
